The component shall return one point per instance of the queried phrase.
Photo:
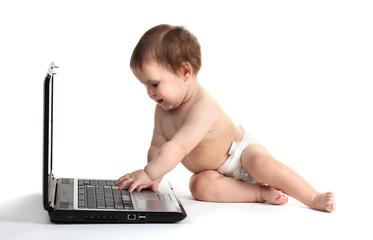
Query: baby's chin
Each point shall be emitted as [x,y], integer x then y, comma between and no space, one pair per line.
[166,107]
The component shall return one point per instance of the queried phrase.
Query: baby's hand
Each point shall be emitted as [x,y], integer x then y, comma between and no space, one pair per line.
[138,179]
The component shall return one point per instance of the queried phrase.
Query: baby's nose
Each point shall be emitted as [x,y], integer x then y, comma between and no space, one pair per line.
[151,92]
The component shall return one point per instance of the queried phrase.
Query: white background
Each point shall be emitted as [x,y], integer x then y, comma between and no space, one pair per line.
[297,74]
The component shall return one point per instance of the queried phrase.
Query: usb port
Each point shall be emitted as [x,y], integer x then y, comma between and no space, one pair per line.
[142,217]
[131,217]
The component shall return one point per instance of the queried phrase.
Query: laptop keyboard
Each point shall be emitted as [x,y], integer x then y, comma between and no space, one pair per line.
[102,194]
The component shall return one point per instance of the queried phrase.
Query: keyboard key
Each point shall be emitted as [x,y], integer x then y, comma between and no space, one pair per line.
[81,197]
[100,197]
[102,183]
[101,205]
[91,205]
[110,183]
[126,198]
[81,204]
[93,182]
[81,190]
[117,199]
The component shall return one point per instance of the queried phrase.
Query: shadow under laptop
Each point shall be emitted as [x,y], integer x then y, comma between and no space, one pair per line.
[24,209]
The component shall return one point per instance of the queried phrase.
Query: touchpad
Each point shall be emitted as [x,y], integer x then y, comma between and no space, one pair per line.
[154,196]
[149,196]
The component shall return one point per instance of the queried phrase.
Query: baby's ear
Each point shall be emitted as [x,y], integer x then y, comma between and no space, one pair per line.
[186,70]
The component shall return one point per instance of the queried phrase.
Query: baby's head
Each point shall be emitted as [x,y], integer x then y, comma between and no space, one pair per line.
[169,46]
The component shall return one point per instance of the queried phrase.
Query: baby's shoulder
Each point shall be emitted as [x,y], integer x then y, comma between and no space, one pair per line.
[205,104]
[206,100]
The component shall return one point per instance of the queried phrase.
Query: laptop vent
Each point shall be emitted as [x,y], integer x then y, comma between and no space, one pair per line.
[101,218]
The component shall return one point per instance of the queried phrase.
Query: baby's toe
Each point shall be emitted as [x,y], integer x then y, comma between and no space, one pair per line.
[282,198]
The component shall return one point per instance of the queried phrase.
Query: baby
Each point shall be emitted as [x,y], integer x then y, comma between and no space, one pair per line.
[190,127]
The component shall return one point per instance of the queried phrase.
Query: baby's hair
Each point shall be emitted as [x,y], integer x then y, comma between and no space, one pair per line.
[168,45]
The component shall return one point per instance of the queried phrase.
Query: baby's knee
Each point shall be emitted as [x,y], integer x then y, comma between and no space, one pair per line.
[260,166]
[201,183]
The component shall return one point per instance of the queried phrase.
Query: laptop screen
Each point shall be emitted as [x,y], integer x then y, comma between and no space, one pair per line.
[48,132]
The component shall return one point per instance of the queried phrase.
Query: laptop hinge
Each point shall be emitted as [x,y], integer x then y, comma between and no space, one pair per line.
[52,192]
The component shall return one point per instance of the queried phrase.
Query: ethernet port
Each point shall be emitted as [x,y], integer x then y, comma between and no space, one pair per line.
[131,217]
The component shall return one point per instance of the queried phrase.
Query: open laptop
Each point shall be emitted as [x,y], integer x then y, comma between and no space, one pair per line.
[73,200]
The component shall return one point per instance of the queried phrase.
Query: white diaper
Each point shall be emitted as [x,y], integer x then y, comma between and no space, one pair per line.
[232,167]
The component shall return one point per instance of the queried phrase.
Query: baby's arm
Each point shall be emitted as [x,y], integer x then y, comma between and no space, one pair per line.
[196,125]
[157,141]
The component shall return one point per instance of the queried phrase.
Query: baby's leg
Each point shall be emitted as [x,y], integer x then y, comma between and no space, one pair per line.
[265,169]
[213,187]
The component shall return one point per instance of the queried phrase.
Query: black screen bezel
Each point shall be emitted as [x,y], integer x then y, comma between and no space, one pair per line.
[47,133]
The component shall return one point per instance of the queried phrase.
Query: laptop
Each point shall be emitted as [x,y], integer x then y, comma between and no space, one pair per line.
[75,200]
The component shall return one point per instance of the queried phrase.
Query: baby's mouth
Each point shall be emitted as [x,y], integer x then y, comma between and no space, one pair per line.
[160,101]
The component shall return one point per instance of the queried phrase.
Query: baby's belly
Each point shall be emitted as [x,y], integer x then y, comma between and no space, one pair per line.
[212,152]
[201,160]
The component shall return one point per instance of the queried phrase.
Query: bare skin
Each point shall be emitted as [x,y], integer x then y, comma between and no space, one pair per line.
[191,128]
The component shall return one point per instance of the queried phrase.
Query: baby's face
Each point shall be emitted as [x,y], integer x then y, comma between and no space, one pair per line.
[163,86]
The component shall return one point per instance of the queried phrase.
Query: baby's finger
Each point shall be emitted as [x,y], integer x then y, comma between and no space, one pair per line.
[133,186]
[141,187]
[125,183]
[155,187]
[121,179]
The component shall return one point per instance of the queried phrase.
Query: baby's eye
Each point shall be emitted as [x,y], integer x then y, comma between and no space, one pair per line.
[154,84]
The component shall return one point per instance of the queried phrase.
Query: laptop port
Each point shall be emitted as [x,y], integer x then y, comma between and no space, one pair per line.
[142,217]
[131,217]
[70,215]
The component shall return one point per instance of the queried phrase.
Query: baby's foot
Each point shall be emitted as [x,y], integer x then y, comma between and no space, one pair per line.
[324,202]
[273,196]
